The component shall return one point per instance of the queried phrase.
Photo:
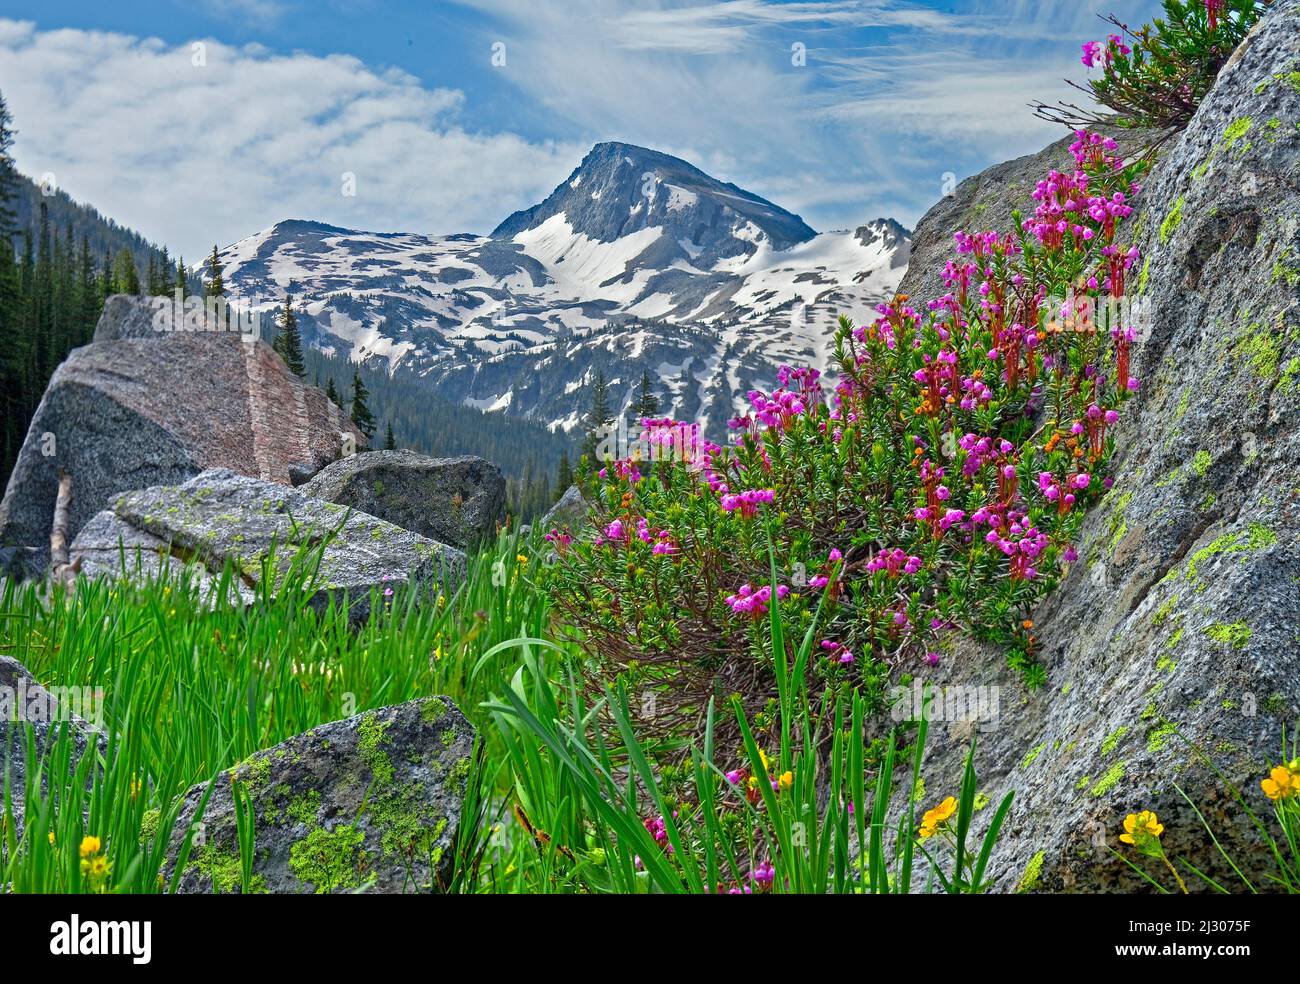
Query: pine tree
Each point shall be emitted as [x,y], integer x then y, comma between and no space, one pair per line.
[164,273]
[332,392]
[390,444]
[647,404]
[216,286]
[361,415]
[289,343]
[563,476]
[180,276]
[8,176]
[598,417]
[127,277]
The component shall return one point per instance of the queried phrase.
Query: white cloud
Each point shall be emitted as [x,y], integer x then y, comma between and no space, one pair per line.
[194,154]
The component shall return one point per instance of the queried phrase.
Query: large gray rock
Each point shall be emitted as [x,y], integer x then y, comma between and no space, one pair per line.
[135,409]
[570,511]
[452,500]
[1183,611]
[371,803]
[49,712]
[220,517]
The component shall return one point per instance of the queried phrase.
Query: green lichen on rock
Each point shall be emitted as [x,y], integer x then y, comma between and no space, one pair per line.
[1032,757]
[329,860]
[1033,871]
[1236,634]
[1237,131]
[1173,220]
[253,771]
[223,870]
[1256,536]
[1109,780]
[1112,740]
[149,825]
[303,809]
[1159,736]
[370,739]
[1201,463]
[1164,611]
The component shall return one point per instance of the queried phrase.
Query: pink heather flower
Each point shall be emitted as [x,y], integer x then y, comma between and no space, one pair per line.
[736,776]
[765,874]
[748,601]
[747,503]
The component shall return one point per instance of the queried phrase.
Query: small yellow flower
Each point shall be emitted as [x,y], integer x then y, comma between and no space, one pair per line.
[136,786]
[933,819]
[786,780]
[521,559]
[1139,827]
[51,838]
[762,757]
[1282,783]
[99,866]
[89,846]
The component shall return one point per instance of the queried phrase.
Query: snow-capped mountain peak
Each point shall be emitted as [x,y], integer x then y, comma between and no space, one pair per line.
[637,261]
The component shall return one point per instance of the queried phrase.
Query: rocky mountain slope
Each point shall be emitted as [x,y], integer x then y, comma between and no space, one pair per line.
[638,261]
[1180,617]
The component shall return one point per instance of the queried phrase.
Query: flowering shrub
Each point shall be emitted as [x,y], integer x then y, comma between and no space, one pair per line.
[936,487]
[1155,77]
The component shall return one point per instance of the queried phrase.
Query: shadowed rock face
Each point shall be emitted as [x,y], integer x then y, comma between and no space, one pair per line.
[373,802]
[135,409]
[219,517]
[453,500]
[25,702]
[1182,610]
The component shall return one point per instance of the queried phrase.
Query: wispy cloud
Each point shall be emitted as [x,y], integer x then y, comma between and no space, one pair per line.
[204,142]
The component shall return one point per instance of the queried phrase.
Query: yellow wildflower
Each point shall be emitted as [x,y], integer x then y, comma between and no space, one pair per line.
[1282,783]
[1138,827]
[51,838]
[89,846]
[786,780]
[933,819]
[521,559]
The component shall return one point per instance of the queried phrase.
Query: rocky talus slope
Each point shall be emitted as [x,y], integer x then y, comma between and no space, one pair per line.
[1173,641]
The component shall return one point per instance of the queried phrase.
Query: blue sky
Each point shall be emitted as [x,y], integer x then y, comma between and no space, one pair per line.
[208,120]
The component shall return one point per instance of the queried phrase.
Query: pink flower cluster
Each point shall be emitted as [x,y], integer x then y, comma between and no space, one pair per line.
[753,602]
[838,652]
[1096,54]
[747,503]
[896,562]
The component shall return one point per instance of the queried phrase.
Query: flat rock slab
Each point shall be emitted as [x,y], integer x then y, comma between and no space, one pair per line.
[453,500]
[219,517]
[372,803]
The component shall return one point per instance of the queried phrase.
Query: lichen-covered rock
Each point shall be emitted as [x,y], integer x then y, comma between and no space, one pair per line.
[219,517]
[1182,613]
[135,409]
[372,803]
[24,702]
[452,500]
